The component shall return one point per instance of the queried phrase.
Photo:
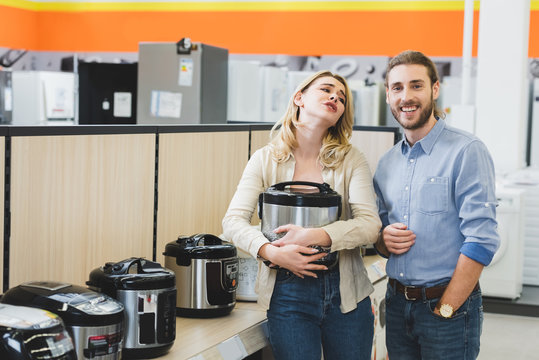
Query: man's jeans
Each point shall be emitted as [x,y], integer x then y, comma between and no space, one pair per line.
[415,332]
[305,315]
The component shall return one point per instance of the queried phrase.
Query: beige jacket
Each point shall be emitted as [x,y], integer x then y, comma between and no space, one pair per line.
[359,223]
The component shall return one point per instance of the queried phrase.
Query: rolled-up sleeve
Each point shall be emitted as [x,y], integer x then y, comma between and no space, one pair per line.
[475,197]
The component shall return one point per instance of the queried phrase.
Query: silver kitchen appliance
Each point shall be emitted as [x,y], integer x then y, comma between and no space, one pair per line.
[181,83]
[294,202]
[148,293]
[206,275]
[94,320]
[27,333]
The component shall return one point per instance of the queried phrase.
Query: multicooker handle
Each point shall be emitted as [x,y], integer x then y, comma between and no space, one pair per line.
[324,187]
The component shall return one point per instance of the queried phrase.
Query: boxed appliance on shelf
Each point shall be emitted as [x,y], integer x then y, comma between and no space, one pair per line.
[43,97]
[503,276]
[256,93]
[528,180]
[107,93]
[181,83]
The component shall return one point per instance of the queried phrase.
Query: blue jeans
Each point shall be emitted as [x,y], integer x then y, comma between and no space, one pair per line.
[305,317]
[415,332]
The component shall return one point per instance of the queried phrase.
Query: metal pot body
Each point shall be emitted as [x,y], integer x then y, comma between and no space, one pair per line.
[206,287]
[150,322]
[281,206]
[98,342]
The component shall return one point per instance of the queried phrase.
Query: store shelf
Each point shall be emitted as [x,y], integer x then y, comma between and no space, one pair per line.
[526,305]
[240,332]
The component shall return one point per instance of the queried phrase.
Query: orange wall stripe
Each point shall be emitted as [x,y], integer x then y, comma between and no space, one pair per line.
[19,28]
[437,33]
[298,33]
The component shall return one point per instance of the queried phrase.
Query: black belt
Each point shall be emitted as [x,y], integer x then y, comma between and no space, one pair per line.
[417,292]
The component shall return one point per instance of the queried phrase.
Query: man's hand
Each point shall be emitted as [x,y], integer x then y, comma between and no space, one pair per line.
[397,238]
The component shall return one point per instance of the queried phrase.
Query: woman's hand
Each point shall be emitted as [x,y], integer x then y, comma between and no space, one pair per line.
[295,258]
[302,236]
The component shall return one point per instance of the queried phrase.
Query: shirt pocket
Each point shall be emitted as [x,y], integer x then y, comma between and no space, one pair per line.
[433,195]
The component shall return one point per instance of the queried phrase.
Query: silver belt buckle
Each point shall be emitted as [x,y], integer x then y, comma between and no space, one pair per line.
[406,294]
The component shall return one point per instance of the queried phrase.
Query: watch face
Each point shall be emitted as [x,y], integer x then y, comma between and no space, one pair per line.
[446,310]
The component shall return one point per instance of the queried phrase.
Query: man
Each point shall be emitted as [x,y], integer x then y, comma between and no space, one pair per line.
[436,198]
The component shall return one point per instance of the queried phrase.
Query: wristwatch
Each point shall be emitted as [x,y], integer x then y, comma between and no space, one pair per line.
[446,311]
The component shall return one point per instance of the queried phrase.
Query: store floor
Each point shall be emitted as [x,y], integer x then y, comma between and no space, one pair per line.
[509,337]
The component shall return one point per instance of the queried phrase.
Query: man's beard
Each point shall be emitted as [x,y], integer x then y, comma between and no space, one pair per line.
[423,116]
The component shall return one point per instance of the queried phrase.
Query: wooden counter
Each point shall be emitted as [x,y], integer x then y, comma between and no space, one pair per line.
[241,332]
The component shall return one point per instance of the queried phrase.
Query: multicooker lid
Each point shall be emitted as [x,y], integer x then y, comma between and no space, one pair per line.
[284,194]
[33,333]
[199,246]
[77,306]
[131,274]
[25,318]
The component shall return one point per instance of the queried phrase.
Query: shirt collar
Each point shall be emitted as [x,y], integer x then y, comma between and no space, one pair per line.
[427,143]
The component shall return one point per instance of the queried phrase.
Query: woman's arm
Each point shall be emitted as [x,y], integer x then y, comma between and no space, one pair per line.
[364,224]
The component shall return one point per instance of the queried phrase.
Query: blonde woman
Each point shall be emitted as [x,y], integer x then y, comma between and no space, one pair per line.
[311,308]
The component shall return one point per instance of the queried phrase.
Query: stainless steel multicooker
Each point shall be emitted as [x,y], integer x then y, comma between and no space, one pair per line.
[148,292]
[281,204]
[94,320]
[206,275]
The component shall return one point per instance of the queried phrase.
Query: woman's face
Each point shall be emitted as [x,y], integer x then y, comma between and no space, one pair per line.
[324,99]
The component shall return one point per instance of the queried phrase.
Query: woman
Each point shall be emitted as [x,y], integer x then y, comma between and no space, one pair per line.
[310,307]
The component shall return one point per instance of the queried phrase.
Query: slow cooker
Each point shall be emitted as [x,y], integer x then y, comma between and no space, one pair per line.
[94,320]
[284,203]
[206,275]
[27,333]
[148,293]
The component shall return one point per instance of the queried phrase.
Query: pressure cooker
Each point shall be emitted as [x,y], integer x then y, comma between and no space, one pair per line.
[28,333]
[148,292]
[284,203]
[94,320]
[206,275]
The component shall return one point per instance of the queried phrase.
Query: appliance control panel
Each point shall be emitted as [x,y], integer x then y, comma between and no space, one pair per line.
[231,274]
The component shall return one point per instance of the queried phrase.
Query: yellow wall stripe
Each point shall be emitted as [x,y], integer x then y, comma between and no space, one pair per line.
[220,6]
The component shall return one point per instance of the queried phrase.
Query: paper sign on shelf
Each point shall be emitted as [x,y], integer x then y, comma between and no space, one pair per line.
[122,104]
[232,349]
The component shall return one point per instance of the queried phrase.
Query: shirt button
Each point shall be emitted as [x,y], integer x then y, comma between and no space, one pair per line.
[401,274]
[406,216]
[406,188]
[431,179]
[487,205]
[412,160]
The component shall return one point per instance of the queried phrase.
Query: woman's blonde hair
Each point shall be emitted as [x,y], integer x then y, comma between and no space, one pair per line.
[335,144]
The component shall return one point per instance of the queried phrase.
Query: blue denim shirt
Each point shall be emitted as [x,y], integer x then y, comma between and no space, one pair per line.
[443,189]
